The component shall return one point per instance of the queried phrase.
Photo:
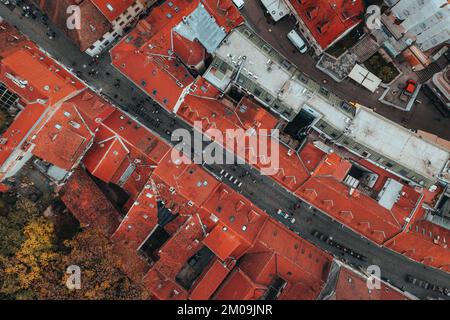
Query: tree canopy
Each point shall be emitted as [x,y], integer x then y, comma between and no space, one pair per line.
[33,262]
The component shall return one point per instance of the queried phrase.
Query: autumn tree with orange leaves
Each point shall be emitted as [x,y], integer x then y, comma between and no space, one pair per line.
[33,262]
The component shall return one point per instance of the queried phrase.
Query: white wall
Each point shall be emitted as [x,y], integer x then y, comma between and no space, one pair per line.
[118,29]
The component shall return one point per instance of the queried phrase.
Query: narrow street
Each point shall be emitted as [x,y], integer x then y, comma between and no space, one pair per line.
[265,193]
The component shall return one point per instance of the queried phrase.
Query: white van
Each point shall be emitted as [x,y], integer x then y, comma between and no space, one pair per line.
[297,41]
[239,3]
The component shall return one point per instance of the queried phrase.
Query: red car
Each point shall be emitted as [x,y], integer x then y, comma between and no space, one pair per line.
[409,89]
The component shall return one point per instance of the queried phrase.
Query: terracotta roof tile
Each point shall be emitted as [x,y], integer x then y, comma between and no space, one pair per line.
[327,20]
[93,27]
[22,126]
[88,203]
[42,78]
[63,139]
[112,9]
[148,57]
[424,242]
[352,286]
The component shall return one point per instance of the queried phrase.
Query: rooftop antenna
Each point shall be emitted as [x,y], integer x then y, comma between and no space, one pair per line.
[241,65]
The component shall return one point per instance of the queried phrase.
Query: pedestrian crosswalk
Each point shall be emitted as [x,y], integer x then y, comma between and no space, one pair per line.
[228,176]
[427,73]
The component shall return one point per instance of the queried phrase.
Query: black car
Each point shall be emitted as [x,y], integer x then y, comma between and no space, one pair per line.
[411,279]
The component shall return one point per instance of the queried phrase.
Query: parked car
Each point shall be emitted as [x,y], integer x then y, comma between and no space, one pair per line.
[408,91]
[297,41]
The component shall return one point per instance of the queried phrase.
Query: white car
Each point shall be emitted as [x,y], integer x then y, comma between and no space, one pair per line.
[297,41]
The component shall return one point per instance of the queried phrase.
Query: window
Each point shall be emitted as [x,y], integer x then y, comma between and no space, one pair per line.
[266,48]
[324,91]
[303,78]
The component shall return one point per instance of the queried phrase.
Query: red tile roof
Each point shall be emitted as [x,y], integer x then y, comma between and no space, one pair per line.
[172,257]
[106,156]
[354,208]
[92,108]
[239,286]
[240,223]
[203,105]
[131,263]
[3,188]
[144,56]
[148,57]
[137,136]
[183,187]
[124,153]
[57,132]
[180,247]
[278,252]
[189,181]
[43,78]
[424,242]
[93,27]
[63,139]
[18,131]
[205,110]
[112,9]
[260,264]
[229,225]
[191,53]
[358,211]
[140,221]
[285,243]
[225,13]
[88,204]
[163,288]
[352,286]
[225,243]
[209,283]
[327,20]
